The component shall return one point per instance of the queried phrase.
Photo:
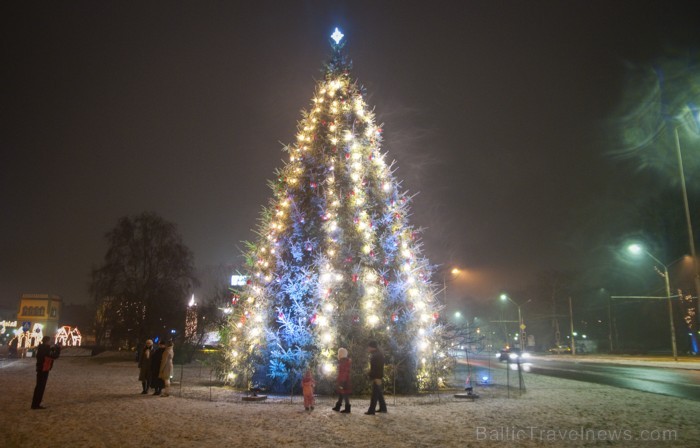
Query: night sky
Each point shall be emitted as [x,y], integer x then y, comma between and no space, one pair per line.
[497,113]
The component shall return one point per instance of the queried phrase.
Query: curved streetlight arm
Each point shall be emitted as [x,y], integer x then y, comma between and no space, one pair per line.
[655,259]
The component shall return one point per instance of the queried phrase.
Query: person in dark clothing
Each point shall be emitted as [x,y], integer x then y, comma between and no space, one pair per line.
[45,355]
[145,368]
[156,357]
[376,375]
[13,347]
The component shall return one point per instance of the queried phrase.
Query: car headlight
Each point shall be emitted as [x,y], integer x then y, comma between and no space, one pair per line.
[513,356]
[525,355]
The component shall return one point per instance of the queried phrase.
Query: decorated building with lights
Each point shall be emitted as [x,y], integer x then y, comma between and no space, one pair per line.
[68,337]
[337,263]
[43,310]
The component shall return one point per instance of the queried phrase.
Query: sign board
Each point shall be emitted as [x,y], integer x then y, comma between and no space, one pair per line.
[238,280]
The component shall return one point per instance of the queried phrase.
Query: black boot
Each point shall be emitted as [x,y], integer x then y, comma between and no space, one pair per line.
[337,406]
[346,410]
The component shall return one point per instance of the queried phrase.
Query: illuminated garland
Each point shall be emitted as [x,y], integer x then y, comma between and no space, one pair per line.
[335,244]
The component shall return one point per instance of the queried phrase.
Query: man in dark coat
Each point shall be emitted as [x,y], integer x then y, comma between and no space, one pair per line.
[376,375]
[45,355]
[155,368]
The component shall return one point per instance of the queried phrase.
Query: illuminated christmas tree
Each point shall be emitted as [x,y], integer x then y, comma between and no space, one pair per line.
[336,263]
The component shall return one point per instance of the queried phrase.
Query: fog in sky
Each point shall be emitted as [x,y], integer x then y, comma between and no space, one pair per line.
[498,113]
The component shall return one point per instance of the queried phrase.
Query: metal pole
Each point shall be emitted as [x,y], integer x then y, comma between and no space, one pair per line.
[182,369]
[691,239]
[610,338]
[520,329]
[571,324]
[670,315]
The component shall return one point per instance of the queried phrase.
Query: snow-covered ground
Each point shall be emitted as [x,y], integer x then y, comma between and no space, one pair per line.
[95,402]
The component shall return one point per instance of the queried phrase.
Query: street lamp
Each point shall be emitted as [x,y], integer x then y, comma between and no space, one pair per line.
[455,272]
[638,249]
[688,222]
[521,325]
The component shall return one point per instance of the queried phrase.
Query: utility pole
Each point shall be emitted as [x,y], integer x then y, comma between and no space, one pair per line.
[610,323]
[571,323]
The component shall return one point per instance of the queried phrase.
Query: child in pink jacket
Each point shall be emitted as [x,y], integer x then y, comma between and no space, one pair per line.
[308,384]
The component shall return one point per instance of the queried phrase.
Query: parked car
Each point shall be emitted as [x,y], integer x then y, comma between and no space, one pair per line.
[560,350]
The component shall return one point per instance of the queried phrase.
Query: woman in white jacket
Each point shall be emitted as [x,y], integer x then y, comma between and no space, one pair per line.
[166,367]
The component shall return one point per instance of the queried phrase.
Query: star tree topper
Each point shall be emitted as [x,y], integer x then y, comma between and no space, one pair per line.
[337,36]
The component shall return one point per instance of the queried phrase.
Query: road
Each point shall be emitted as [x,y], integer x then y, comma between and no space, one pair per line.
[684,383]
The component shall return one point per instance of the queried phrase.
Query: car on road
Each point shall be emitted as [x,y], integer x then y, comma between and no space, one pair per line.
[512,355]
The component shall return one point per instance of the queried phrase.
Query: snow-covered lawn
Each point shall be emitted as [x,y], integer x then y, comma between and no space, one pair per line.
[95,402]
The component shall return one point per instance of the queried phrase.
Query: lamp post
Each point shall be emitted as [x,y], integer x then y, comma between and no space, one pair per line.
[455,272]
[637,249]
[521,325]
[689,224]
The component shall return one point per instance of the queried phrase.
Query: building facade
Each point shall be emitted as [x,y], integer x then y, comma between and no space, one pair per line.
[41,309]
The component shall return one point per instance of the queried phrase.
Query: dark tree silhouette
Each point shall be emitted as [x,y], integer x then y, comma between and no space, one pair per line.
[142,287]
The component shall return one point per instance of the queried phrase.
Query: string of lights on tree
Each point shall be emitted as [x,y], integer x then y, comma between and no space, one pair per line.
[336,262]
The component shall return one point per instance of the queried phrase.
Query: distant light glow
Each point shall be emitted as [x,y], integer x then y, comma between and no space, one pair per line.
[635,248]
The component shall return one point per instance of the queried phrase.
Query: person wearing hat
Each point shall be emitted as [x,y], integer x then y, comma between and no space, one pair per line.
[344,386]
[145,366]
[376,375]
[45,355]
